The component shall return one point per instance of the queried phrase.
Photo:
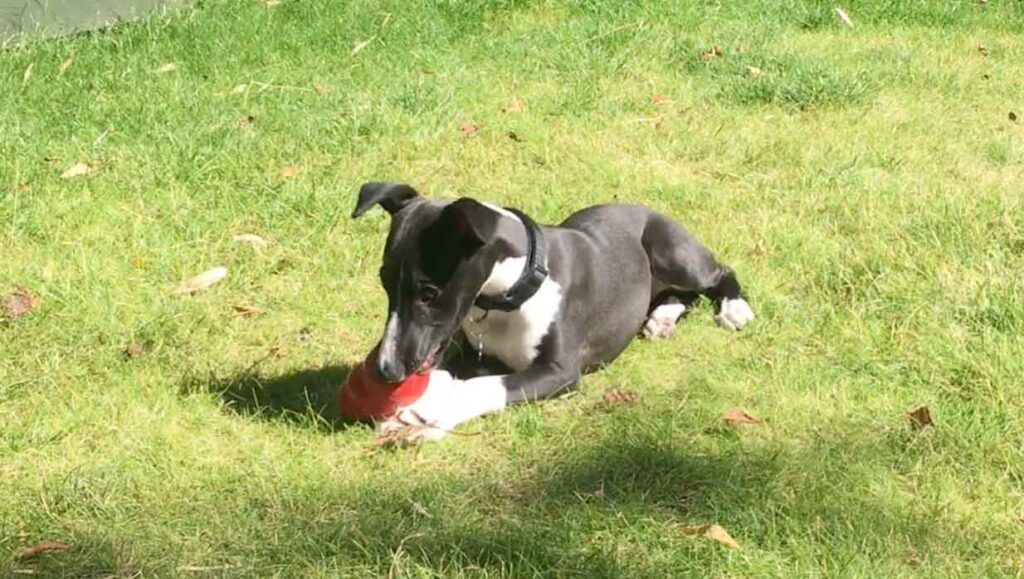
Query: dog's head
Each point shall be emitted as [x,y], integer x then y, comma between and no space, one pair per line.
[437,257]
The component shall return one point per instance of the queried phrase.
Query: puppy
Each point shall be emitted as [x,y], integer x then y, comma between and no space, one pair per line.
[533,307]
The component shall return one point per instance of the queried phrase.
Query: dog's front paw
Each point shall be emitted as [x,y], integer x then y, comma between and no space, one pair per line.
[734,314]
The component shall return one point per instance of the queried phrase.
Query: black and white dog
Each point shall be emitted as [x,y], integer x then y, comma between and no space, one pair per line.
[536,306]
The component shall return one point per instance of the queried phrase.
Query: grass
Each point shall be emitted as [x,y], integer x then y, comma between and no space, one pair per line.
[867,188]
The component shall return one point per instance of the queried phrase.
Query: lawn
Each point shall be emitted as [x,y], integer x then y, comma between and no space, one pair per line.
[866,182]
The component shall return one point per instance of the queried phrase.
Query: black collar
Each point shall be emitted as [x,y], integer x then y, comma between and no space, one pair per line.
[530,280]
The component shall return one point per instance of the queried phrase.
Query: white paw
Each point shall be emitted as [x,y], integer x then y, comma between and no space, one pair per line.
[445,404]
[663,319]
[734,314]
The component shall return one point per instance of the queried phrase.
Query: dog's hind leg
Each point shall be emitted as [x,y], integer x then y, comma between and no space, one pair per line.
[683,263]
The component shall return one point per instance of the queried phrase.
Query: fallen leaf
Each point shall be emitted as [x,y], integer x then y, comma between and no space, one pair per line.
[398,435]
[67,63]
[238,89]
[741,48]
[19,303]
[759,248]
[138,262]
[419,509]
[754,71]
[739,416]
[271,2]
[40,547]
[28,72]
[711,53]
[711,531]
[245,310]
[361,45]
[250,238]
[320,87]
[132,351]
[983,50]
[1012,116]
[659,99]
[469,127]
[304,336]
[986,76]
[515,136]
[513,105]
[24,187]
[76,170]
[202,281]
[167,67]
[288,171]
[920,417]
[246,122]
[843,17]
[617,397]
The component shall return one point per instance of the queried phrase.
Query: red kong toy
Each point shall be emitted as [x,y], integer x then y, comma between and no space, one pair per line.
[365,396]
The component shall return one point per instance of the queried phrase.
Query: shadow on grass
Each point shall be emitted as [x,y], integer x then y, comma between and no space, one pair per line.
[610,508]
[307,396]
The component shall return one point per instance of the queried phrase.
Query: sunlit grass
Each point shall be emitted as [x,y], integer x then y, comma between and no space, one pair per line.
[865,182]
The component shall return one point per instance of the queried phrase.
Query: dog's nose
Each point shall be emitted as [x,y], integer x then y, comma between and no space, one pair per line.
[390,370]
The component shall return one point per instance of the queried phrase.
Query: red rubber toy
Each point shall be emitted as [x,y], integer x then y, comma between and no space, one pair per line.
[366,396]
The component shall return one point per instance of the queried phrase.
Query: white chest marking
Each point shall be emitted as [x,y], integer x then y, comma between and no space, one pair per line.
[513,337]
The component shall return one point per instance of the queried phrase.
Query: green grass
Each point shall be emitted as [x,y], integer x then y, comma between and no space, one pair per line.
[867,187]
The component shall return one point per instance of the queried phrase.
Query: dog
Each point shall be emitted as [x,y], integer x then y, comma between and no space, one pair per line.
[531,308]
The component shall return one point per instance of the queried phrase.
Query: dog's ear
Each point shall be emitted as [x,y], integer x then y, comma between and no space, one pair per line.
[390,196]
[475,222]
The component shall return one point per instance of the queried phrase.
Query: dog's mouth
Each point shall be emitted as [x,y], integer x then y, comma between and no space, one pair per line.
[429,361]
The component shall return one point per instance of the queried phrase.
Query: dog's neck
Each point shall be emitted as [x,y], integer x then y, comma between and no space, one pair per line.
[506,270]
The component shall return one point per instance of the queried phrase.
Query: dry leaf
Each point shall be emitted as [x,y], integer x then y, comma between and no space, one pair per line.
[132,351]
[67,63]
[398,435]
[167,67]
[138,262]
[759,248]
[843,17]
[19,303]
[469,127]
[288,171]
[920,417]
[28,72]
[238,89]
[515,136]
[616,397]
[513,105]
[40,547]
[983,50]
[246,310]
[201,281]
[251,239]
[659,99]
[246,122]
[24,187]
[361,45]
[740,417]
[1012,116]
[711,53]
[271,2]
[320,87]
[711,531]
[76,170]
[754,71]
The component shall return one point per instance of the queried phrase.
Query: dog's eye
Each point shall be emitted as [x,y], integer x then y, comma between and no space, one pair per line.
[427,293]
